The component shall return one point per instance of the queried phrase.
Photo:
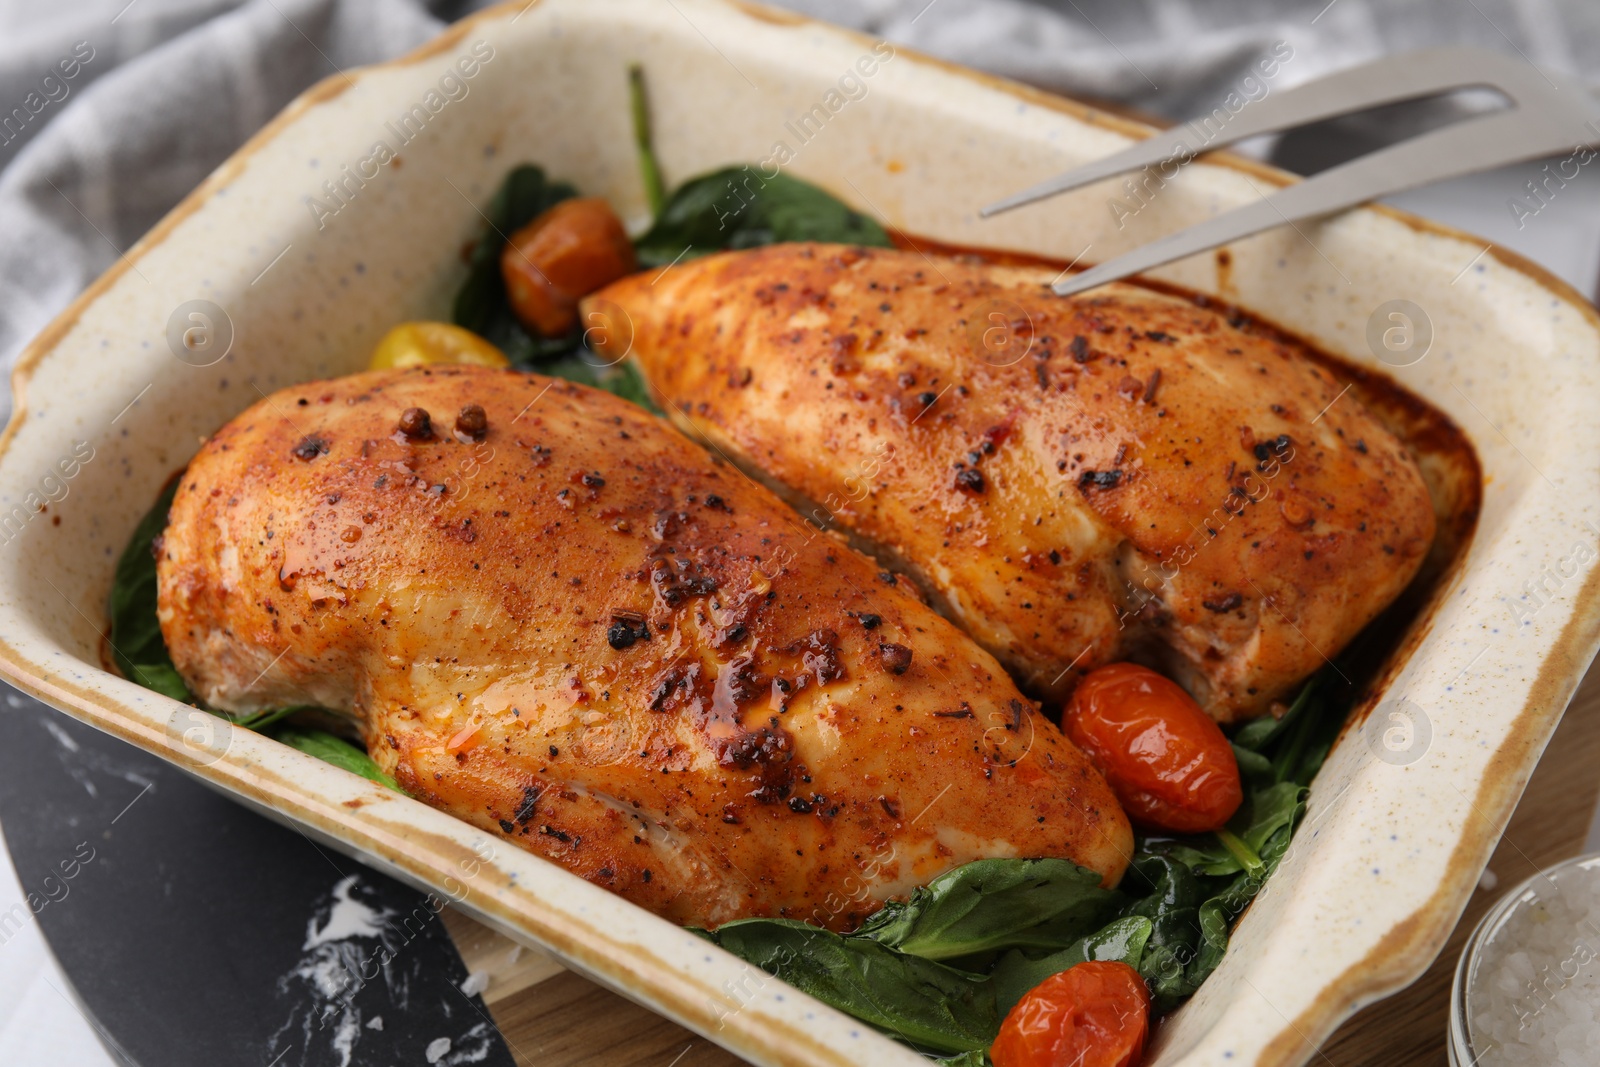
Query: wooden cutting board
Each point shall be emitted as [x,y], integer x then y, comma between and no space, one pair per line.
[551,1017]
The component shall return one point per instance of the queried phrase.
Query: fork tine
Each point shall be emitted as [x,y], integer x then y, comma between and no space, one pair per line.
[1150,152]
[1382,81]
[1477,144]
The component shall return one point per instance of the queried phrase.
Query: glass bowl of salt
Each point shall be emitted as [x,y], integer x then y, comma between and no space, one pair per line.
[1527,988]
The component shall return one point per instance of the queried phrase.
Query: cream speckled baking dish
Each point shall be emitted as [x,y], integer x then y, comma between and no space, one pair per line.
[309,274]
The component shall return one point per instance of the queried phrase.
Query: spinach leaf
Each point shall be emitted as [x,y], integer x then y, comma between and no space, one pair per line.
[1122,940]
[1195,888]
[995,904]
[1202,855]
[1169,894]
[738,207]
[481,304]
[926,1004]
[261,720]
[975,1058]
[334,750]
[884,973]
[136,642]
[1257,735]
[1298,753]
[1253,766]
[1266,811]
[1270,810]
[1218,914]
[621,379]
[625,381]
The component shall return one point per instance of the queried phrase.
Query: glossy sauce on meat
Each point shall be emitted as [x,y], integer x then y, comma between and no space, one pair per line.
[558,619]
[1120,475]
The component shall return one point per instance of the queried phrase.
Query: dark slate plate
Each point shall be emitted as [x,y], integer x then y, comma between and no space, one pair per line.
[196,932]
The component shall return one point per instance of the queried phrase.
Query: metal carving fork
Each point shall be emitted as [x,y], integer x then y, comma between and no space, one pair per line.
[1548,115]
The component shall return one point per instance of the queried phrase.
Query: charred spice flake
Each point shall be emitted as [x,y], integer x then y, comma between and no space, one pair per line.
[1103,479]
[530,799]
[310,447]
[1265,449]
[626,630]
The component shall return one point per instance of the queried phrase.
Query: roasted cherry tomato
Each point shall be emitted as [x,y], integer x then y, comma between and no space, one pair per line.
[561,257]
[1165,759]
[1096,1014]
[415,344]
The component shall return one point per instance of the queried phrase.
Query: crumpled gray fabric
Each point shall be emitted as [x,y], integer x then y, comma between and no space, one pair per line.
[162,91]
[1179,57]
[169,91]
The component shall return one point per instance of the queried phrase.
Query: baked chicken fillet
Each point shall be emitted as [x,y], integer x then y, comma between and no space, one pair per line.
[1121,475]
[554,617]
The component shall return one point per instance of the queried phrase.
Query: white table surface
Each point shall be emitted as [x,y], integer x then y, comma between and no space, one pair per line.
[40,1026]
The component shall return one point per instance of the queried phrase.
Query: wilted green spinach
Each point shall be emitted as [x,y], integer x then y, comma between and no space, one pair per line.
[949,963]
[136,642]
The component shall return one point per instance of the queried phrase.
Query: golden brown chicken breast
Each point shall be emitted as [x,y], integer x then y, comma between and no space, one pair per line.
[558,619]
[1074,481]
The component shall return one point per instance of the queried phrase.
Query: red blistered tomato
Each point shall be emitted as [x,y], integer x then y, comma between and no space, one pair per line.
[560,257]
[1165,759]
[1096,1014]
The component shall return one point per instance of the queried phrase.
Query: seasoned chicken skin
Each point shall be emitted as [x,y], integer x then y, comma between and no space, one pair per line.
[568,625]
[1122,475]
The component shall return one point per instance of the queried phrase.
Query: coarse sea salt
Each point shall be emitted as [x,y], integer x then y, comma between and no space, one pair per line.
[1533,993]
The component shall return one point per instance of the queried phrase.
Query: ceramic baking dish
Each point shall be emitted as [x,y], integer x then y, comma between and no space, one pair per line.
[306,246]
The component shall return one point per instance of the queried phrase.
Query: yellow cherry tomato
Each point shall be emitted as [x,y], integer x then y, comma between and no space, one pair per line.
[416,344]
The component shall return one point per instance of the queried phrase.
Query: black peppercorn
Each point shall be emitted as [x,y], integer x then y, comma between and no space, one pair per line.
[472,422]
[416,424]
[896,658]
